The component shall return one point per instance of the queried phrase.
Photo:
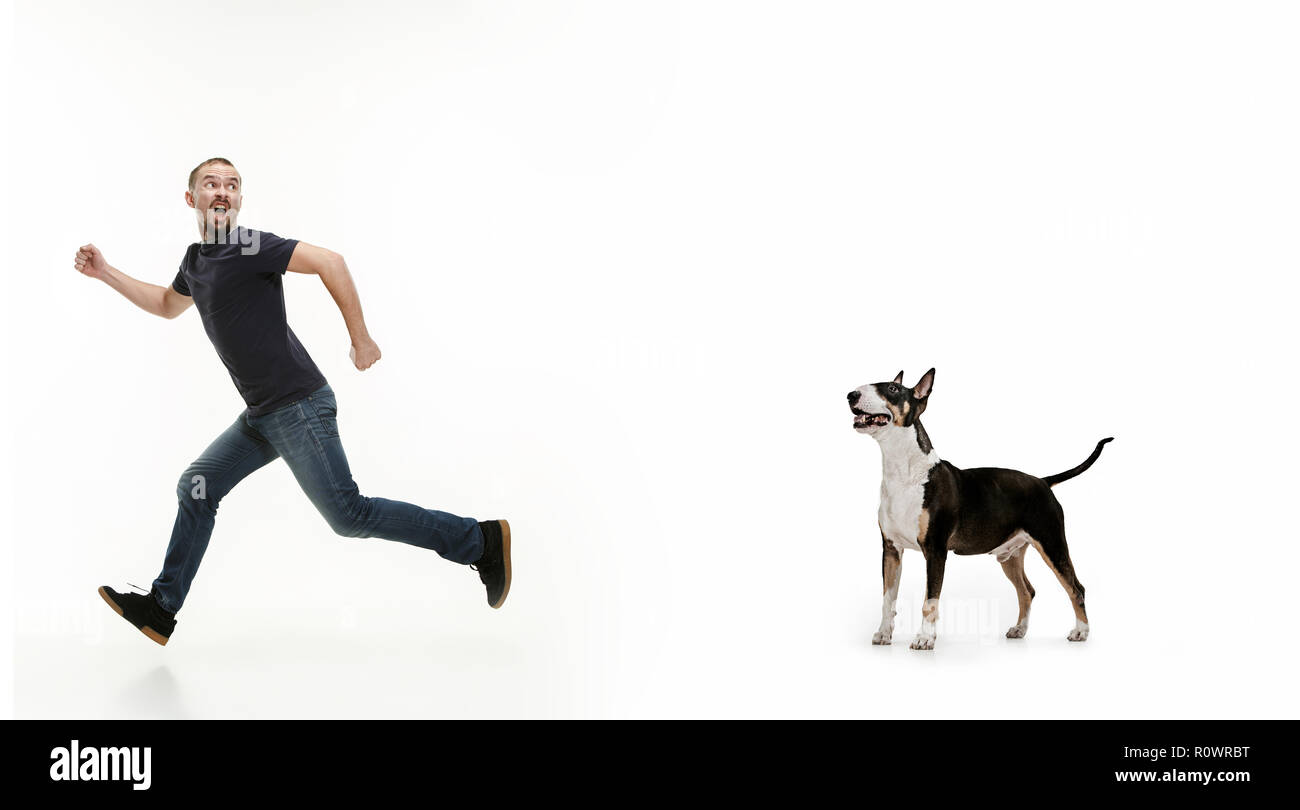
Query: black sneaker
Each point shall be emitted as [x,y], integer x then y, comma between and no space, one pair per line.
[494,566]
[143,611]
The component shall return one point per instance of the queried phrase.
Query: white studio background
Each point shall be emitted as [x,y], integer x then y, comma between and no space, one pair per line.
[624,262]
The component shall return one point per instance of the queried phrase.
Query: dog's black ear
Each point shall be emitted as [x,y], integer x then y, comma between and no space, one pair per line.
[899,378]
[923,386]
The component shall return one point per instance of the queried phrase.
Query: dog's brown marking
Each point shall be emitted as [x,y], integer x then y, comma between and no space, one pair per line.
[923,526]
[1075,600]
[892,565]
[896,412]
[1014,568]
[930,610]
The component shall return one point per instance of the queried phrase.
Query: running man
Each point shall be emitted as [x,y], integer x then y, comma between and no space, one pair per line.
[235,276]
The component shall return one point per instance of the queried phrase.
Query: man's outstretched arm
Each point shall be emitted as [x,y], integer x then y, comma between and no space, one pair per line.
[333,271]
[161,301]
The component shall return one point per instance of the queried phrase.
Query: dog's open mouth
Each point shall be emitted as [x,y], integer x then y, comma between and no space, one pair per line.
[869,420]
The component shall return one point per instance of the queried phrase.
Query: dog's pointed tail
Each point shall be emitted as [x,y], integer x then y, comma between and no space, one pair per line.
[1053,480]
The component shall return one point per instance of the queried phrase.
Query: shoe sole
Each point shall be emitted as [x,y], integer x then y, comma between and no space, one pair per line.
[153,634]
[505,555]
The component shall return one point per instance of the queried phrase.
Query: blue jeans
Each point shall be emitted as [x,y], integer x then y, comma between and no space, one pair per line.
[305,434]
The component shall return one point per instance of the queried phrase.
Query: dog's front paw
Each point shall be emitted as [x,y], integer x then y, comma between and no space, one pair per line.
[1017,631]
[1079,634]
[882,637]
[923,642]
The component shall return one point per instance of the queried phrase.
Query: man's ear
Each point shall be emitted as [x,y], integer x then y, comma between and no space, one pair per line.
[923,386]
[189,199]
[899,378]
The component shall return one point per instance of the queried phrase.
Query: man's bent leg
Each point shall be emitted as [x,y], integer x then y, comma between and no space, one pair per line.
[307,437]
[234,454]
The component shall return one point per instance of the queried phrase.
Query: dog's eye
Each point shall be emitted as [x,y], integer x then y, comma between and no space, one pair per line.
[893,389]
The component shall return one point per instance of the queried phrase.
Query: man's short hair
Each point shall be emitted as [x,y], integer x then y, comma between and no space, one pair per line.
[194,175]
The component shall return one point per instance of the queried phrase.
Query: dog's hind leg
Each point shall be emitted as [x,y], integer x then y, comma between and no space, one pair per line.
[1049,539]
[1014,568]
[891,568]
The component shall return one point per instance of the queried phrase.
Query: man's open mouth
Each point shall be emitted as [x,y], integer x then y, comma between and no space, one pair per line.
[862,421]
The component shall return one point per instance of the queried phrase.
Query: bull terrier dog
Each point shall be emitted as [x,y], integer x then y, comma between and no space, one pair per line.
[928,505]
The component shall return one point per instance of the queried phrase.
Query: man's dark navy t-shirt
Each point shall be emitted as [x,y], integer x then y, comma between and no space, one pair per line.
[238,288]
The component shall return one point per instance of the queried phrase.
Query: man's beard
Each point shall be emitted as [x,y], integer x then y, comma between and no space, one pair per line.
[218,231]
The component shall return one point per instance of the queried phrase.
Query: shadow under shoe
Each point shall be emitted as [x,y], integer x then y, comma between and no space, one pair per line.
[143,611]
[494,566]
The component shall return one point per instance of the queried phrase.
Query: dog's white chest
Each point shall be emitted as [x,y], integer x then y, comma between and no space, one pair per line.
[902,486]
[900,512]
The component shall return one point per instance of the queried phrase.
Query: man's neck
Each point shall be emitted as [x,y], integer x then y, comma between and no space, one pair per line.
[222,235]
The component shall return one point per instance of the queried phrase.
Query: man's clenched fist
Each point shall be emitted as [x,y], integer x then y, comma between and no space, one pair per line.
[90,261]
[364,354]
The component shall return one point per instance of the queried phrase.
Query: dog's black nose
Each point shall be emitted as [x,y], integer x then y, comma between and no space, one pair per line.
[854,396]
